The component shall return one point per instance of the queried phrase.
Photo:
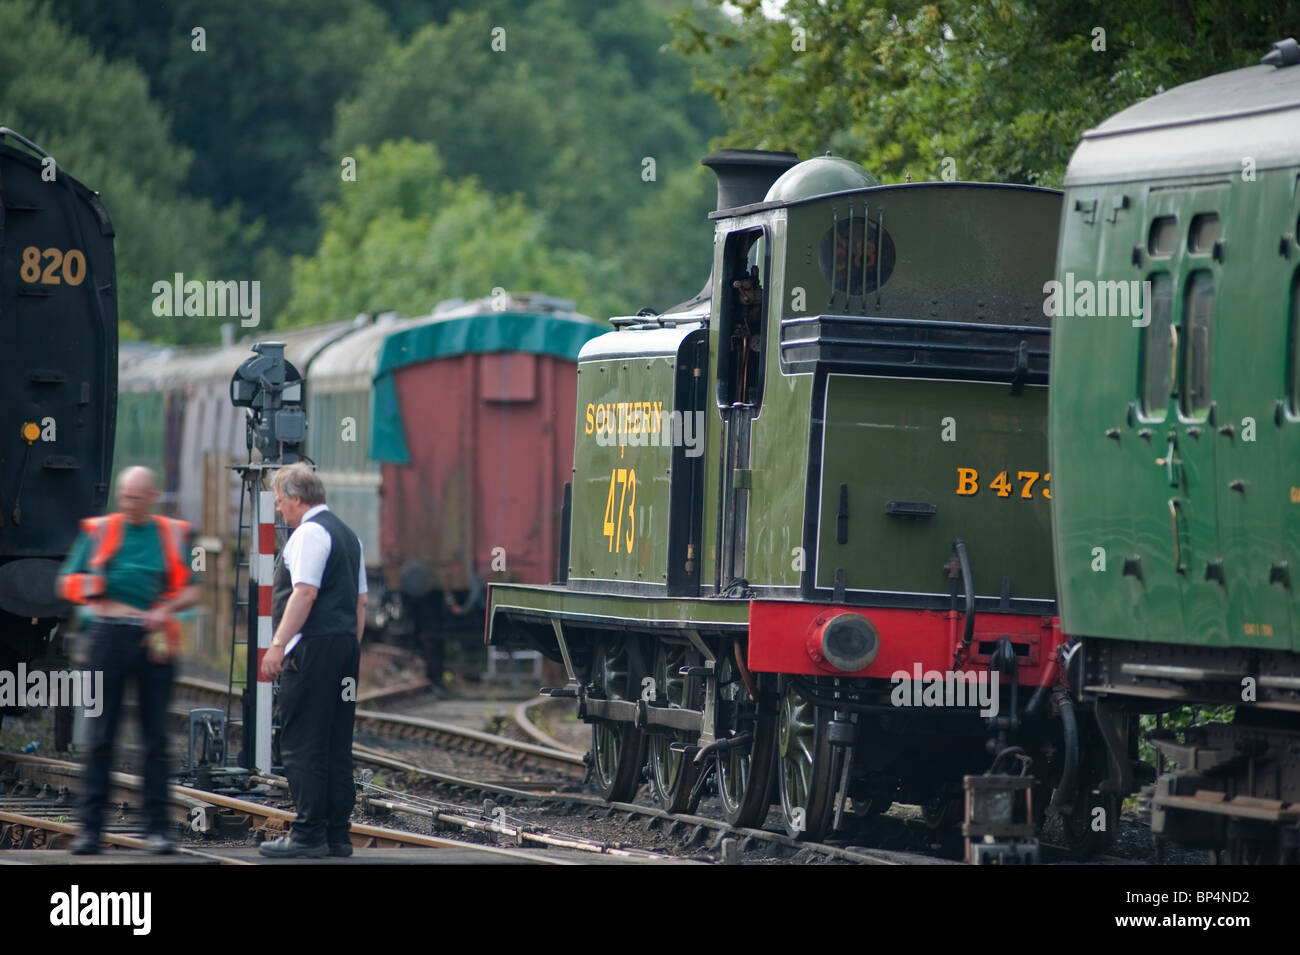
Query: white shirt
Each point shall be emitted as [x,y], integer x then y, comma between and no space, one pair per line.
[305,554]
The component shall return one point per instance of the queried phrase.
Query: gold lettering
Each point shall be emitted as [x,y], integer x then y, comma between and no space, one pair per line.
[625,418]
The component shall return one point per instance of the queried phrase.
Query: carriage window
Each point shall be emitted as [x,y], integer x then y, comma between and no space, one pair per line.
[1163,238]
[1198,316]
[1156,347]
[1204,232]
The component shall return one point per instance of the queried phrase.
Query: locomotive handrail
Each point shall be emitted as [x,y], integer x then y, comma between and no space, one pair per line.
[968,583]
[6,131]
[654,321]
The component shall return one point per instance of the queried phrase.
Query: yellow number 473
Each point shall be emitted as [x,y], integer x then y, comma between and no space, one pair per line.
[625,478]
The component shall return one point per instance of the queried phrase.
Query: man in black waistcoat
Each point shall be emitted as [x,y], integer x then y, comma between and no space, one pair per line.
[318,611]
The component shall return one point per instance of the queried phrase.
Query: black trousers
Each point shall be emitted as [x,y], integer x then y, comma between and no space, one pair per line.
[317,708]
[116,651]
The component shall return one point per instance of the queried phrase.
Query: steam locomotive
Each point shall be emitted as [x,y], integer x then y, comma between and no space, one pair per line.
[58,293]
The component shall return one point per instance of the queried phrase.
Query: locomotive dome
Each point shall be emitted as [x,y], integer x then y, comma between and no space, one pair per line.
[819,176]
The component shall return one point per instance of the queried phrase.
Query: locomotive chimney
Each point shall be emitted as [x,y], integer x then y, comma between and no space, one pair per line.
[744,176]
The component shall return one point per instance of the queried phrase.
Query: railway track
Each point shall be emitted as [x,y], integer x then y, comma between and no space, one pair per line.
[539,798]
[527,725]
[694,831]
[711,836]
[515,755]
[38,826]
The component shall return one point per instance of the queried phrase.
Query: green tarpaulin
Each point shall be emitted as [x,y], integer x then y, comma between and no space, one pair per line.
[540,334]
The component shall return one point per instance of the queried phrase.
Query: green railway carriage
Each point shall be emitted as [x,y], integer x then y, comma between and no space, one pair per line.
[1175,442]
[827,469]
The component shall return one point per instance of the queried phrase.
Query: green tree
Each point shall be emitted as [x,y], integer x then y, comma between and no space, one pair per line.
[406,235]
[253,95]
[97,120]
[1003,88]
[563,102]
[670,238]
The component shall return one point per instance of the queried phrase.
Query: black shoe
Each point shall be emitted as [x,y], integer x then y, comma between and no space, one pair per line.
[86,844]
[341,849]
[159,844]
[288,847]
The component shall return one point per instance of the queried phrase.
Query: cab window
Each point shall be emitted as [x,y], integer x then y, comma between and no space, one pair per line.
[743,296]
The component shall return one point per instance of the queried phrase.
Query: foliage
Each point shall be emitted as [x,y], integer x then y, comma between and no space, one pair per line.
[1180,718]
[55,91]
[560,119]
[255,104]
[565,115]
[1002,87]
[406,235]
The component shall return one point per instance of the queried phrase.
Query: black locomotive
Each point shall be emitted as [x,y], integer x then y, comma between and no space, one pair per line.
[58,382]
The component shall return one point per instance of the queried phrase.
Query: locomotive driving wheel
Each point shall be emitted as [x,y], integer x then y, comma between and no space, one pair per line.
[616,746]
[745,770]
[805,773]
[673,773]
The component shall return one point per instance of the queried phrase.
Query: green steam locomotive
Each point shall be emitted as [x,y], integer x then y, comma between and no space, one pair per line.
[808,551]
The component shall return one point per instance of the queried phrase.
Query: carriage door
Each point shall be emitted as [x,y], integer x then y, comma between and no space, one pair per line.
[1176,408]
[742,344]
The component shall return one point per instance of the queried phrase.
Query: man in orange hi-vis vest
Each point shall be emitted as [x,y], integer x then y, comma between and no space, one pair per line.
[132,570]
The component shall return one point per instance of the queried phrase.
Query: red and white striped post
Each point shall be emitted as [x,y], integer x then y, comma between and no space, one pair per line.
[262,570]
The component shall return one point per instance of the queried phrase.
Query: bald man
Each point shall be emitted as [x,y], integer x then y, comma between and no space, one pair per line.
[132,570]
